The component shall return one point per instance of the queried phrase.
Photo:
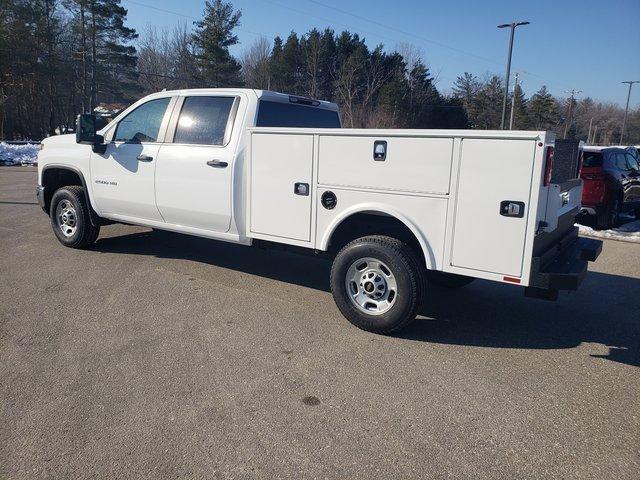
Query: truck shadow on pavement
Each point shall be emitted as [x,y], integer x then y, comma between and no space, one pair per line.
[604,311]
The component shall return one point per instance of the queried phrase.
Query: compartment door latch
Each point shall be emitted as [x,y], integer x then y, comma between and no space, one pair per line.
[511,208]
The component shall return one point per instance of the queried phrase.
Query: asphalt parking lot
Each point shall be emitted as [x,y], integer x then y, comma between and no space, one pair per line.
[165,356]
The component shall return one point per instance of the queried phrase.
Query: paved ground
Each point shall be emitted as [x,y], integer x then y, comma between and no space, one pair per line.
[162,356]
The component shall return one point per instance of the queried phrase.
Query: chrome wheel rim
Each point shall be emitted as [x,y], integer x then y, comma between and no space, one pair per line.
[371,286]
[66,218]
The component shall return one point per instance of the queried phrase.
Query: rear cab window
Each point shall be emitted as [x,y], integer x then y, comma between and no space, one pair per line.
[204,120]
[281,114]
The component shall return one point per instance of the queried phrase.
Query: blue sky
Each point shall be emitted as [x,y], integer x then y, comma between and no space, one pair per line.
[586,45]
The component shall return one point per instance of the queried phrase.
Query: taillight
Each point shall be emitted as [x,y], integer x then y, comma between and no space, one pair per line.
[548,166]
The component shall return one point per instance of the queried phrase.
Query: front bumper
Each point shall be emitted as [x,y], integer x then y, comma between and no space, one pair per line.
[563,266]
[40,197]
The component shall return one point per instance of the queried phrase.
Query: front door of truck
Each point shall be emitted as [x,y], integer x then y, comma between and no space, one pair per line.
[123,176]
[195,167]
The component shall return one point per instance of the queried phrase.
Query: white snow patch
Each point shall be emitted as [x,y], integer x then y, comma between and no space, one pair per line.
[11,154]
[629,232]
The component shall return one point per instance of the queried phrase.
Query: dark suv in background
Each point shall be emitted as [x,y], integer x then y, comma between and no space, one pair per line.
[611,178]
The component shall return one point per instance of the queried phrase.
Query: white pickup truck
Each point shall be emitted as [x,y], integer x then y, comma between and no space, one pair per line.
[398,211]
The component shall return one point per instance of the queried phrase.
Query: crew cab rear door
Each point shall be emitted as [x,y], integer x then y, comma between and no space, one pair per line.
[195,167]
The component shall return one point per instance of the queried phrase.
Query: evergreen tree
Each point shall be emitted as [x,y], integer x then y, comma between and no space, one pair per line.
[112,63]
[520,117]
[489,104]
[542,110]
[424,98]
[212,39]
[466,88]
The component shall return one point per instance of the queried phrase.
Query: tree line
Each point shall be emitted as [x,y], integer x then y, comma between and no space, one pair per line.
[62,57]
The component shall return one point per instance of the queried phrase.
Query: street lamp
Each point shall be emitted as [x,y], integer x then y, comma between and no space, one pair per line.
[512,26]
[626,110]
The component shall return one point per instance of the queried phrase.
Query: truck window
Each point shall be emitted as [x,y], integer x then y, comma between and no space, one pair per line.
[632,162]
[621,161]
[278,114]
[203,120]
[143,124]
[592,159]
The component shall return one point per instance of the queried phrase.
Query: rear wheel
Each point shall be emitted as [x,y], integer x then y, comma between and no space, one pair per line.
[70,218]
[378,283]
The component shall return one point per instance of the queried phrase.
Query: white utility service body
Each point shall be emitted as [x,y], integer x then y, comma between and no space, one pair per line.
[469,203]
[446,186]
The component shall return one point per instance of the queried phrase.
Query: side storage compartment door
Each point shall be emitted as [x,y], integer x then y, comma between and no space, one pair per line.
[492,205]
[281,185]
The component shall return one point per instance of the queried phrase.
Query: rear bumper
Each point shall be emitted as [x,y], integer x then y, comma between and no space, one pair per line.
[563,266]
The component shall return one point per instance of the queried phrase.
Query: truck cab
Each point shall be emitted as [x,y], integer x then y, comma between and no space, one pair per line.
[397,211]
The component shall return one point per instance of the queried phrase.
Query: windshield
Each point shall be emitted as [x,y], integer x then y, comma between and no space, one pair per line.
[278,114]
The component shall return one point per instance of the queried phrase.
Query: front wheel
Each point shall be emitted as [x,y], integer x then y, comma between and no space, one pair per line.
[70,218]
[378,283]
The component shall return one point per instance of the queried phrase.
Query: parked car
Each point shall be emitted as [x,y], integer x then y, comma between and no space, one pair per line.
[397,211]
[611,178]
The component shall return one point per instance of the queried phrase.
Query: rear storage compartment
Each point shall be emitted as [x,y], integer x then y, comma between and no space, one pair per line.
[494,175]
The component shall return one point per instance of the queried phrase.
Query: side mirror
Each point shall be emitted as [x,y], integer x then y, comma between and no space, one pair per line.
[86,127]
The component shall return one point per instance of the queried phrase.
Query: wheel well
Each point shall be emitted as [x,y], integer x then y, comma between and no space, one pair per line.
[54,178]
[372,223]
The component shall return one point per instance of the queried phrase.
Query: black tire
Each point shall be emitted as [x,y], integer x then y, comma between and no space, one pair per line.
[85,232]
[406,270]
[609,216]
[448,280]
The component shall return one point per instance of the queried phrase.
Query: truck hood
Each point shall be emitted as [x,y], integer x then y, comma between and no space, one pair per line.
[60,140]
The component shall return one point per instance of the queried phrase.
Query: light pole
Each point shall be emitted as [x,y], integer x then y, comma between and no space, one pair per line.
[569,120]
[626,109]
[512,26]
[513,103]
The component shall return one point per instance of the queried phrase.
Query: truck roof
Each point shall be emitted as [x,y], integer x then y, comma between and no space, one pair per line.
[260,94]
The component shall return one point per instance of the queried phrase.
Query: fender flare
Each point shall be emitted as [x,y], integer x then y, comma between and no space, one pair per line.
[95,219]
[427,251]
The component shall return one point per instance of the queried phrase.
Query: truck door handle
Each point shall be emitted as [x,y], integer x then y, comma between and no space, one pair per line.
[217,164]
[144,158]
[511,208]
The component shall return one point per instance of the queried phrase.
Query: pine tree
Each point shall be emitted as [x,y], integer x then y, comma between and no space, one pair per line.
[489,104]
[212,39]
[520,117]
[542,110]
[466,88]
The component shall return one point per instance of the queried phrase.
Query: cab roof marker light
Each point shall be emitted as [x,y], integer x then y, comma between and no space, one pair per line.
[304,101]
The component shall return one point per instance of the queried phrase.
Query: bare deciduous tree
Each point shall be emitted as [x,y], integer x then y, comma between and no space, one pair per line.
[255,63]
